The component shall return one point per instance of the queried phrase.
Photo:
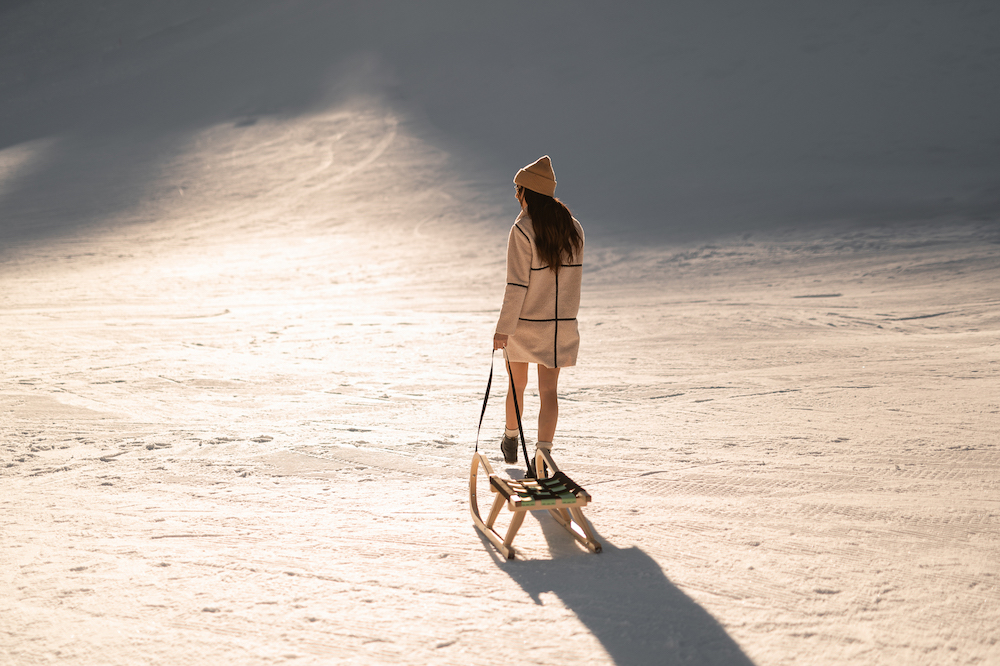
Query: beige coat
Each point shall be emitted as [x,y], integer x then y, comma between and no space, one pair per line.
[539,305]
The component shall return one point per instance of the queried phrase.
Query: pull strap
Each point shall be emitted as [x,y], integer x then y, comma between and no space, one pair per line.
[486,399]
[517,411]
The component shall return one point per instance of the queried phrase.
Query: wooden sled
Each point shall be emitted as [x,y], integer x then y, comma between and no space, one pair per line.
[552,491]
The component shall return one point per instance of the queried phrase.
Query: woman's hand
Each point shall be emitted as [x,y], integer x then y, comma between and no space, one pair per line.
[499,341]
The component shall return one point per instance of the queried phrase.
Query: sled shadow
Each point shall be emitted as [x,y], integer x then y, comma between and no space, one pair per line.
[624,599]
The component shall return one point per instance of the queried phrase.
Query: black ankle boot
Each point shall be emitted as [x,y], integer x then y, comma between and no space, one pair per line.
[508,445]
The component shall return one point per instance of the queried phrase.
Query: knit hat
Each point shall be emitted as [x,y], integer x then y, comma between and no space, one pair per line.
[538,177]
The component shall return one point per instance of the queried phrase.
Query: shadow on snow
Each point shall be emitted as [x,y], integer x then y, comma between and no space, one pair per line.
[624,599]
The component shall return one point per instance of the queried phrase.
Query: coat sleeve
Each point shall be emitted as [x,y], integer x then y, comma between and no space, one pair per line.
[519,251]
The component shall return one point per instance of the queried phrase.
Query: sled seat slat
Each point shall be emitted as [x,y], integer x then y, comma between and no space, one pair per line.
[530,494]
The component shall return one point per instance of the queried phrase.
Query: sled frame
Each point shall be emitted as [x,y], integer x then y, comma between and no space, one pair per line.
[566,507]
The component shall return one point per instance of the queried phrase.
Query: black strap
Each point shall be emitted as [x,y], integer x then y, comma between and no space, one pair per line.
[517,410]
[486,398]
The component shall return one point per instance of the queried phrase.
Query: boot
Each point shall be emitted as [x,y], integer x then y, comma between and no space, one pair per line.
[508,445]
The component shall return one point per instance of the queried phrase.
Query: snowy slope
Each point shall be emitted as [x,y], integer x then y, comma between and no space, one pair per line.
[251,257]
[718,116]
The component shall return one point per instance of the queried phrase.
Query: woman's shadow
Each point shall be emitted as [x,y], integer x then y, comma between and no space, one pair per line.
[623,597]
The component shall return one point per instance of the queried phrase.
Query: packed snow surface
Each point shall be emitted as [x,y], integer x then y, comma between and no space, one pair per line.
[246,322]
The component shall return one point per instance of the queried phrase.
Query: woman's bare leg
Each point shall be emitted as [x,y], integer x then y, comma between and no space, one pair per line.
[548,410]
[519,374]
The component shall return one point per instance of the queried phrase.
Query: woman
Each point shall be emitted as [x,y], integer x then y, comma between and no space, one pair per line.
[538,318]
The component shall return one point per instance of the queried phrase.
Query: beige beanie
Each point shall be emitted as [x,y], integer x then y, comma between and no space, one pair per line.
[538,176]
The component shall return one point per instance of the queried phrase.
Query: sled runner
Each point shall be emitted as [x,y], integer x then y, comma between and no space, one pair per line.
[544,487]
[557,494]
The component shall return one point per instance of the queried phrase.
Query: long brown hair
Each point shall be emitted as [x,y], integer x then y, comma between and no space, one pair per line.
[556,236]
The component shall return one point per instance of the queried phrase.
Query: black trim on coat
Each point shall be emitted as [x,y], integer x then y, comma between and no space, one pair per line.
[563,266]
[514,284]
[555,334]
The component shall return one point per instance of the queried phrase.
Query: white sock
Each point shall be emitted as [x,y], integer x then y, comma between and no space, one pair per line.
[544,445]
[511,433]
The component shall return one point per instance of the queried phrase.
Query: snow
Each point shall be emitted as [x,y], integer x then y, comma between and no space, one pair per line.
[251,257]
